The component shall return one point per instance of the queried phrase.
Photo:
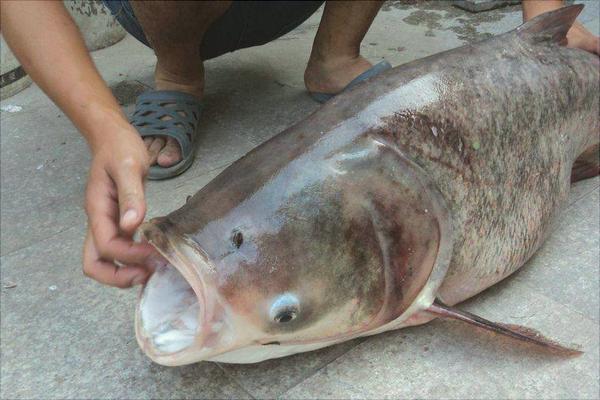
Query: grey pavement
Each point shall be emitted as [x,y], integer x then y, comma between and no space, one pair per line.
[64,336]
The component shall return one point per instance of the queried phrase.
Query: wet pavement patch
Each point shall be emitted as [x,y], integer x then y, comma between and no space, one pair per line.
[440,16]
[127,91]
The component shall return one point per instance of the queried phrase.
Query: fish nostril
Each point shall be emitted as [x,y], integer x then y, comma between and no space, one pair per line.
[237,239]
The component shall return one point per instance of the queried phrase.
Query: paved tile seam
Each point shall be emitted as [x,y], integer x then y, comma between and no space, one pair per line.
[549,300]
[532,286]
[354,388]
[582,197]
[298,384]
[234,381]
[317,370]
[27,247]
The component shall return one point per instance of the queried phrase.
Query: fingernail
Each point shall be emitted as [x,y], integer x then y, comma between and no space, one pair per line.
[138,280]
[129,217]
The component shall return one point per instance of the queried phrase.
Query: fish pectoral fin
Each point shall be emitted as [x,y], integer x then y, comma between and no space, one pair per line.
[587,165]
[517,332]
[551,26]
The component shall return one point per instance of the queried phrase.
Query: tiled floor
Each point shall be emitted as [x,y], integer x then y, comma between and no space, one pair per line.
[63,336]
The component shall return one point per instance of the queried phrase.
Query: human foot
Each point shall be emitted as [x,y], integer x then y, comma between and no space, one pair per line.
[333,75]
[163,150]
[169,115]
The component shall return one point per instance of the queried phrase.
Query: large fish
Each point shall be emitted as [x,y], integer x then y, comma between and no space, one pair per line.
[383,209]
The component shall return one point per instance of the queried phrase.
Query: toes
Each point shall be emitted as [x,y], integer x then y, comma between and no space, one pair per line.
[170,154]
[148,141]
[154,148]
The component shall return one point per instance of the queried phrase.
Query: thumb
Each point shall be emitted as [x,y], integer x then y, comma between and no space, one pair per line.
[130,192]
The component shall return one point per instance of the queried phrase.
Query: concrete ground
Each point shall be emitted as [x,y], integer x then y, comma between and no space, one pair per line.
[64,336]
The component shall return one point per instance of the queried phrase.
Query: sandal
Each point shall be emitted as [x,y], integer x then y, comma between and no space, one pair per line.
[374,70]
[171,114]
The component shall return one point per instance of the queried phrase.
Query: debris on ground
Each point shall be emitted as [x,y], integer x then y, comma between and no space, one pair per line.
[11,108]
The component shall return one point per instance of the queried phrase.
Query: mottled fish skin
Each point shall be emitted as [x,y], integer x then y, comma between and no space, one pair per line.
[508,120]
[471,148]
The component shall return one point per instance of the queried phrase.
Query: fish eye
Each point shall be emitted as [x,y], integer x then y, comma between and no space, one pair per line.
[285,316]
[285,308]
[237,238]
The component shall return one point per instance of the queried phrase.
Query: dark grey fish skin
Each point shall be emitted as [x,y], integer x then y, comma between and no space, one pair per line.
[463,158]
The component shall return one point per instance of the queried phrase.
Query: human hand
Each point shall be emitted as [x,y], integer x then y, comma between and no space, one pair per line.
[579,37]
[115,207]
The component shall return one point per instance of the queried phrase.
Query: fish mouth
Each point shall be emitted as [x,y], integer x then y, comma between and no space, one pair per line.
[174,311]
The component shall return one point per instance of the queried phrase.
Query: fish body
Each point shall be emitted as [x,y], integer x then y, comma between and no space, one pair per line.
[436,179]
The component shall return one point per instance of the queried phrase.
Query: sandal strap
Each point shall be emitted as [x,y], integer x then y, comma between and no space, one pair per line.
[168,113]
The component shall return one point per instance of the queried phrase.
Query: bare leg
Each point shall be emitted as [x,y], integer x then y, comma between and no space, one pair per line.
[175,30]
[335,58]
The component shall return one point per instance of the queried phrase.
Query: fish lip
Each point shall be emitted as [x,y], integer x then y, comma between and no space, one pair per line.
[159,233]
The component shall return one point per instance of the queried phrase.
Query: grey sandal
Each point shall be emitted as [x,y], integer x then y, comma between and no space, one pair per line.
[183,115]
[374,70]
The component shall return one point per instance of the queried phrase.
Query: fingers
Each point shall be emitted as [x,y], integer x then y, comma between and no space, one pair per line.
[170,154]
[128,177]
[595,46]
[109,273]
[103,213]
[579,37]
[591,44]
[120,249]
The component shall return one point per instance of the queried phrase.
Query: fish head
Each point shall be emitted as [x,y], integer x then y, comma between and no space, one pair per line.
[267,261]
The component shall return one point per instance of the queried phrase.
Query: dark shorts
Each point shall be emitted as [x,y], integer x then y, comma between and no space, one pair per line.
[244,24]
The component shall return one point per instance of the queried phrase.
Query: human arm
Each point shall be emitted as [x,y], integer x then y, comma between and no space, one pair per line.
[49,46]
